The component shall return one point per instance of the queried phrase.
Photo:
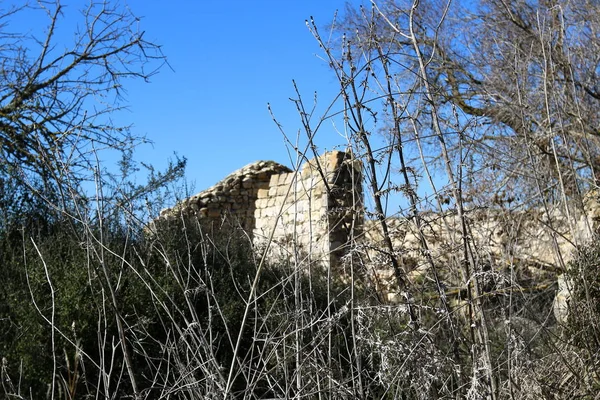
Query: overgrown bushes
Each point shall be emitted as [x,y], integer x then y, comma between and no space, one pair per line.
[180,293]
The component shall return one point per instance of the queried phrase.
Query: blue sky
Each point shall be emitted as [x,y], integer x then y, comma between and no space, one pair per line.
[229,59]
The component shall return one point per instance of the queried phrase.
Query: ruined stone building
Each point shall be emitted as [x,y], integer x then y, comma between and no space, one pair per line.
[316,214]
[308,213]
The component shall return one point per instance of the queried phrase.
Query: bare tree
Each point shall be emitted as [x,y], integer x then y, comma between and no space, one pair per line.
[526,71]
[56,98]
[490,104]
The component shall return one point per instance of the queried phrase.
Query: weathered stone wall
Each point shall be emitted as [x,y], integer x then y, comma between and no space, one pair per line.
[305,213]
[310,211]
[234,197]
[536,244]
[311,215]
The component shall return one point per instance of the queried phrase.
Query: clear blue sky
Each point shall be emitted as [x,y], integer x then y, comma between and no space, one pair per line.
[229,59]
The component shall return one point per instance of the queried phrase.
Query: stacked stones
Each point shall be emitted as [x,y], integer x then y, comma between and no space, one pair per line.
[518,238]
[294,209]
[314,210]
[234,197]
[308,212]
[311,211]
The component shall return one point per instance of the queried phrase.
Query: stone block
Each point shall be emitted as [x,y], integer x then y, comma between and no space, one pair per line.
[301,206]
[263,193]
[282,190]
[269,212]
[319,189]
[308,171]
[260,223]
[261,203]
[289,178]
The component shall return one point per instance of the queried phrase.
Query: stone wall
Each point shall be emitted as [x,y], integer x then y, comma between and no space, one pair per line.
[502,235]
[304,213]
[234,197]
[312,213]
[535,244]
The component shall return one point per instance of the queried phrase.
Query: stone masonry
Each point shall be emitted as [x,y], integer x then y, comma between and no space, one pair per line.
[304,213]
[234,197]
[315,213]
